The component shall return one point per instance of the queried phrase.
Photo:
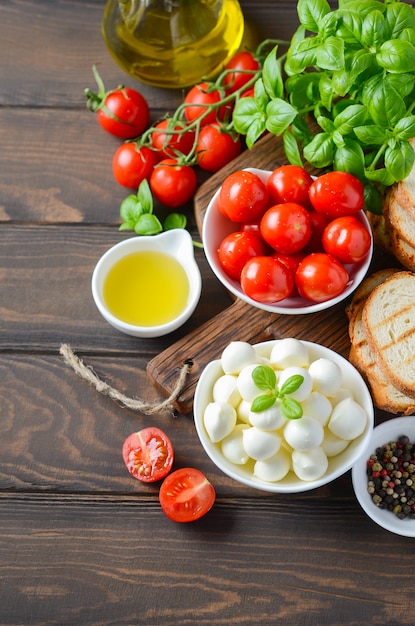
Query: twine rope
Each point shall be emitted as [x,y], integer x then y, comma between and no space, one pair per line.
[150,408]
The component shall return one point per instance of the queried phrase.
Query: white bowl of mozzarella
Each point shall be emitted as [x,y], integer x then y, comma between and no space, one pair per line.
[266,449]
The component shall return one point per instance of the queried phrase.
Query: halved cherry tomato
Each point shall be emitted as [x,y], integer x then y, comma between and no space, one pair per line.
[347,239]
[244,65]
[320,277]
[172,184]
[337,194]
[216,148]
[286,227]
[236,249]
[148,454]
[131,165]
[170,143]
[243,197]
[186,495]
[289,183]
[266,280]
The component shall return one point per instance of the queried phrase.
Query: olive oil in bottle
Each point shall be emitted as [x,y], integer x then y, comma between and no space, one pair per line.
[172,43]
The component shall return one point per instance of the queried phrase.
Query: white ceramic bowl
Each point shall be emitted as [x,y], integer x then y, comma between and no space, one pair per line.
[338,465]
[384,433]
[216,227]
[178,244]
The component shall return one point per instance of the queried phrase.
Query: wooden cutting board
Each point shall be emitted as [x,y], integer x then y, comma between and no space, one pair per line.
[241,321]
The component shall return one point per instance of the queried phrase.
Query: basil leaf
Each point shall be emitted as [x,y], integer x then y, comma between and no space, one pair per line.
[381,176]
[148,224]
[292,384]
[291,148]
[373,198]
[350,158]
[374,30]
[405,128]
[145,197]
[130,211]
[311,13]
[280,115]
[353,115]
[399,159]
[271,75]
[372,134]
[291,409]
[330,54]
[256,130]
[384,104]
[262,403]
[396,56]
[302,55]
[320,151]
[264,378]
[175,220]
[399,16]
[356,64]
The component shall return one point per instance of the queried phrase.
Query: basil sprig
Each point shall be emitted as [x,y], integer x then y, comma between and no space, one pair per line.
[352,69]
[265,379]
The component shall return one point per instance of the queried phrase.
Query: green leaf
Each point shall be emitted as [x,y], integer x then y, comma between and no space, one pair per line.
[384,103]
[246,109]
[320,151]
[351,116]
[405,128]
[264,378]
[291,409]
[330,54]
[262,403]
[292,384]
[374,29]
[271,75]
[399,160]
[130,211]
[175,220]
[291,149]
[311,13]
[145,197]
[280,115]
[381,175]
[399,16]
[148,224]
[396,56]
[350,158]
[256,130]
[302,55]
[372,134]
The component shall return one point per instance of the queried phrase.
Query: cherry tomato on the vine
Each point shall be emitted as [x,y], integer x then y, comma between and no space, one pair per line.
[215,148]
[243,197]
[289,183]
[198,100]
[172,184]
[236,249]
[148,454]
[320,277]
[244,65]
[266,280]
[347,239]
[286,227]
[186,495]
[131,165]
[169,144]
[337,194]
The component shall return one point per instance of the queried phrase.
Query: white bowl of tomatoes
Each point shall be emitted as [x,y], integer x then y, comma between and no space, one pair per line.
[286,242]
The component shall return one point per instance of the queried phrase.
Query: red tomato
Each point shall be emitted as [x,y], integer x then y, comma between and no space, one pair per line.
[289,183]
[169,144]
[197,101]
[245,66]
[266,280]
[347,239]
[291,262]
[148,454]
[216,148]
[337,194]
[236,249]
[286,227]
[131,165]
[318,222]
[123,113]
[243,197]
[186,495]
[173,185]
[320,277]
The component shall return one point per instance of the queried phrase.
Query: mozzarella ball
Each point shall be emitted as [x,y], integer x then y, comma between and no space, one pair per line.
[243,410]
[348,419]
[260,444]
[245,383]
[310,465]
[333,445]
[270,419]
[232,446]
[289,352]
[340,395]
[304,389]
[327,376]
[236,356]
[304,434]
[219,419]
[225,390]
[317,406]
[275,468]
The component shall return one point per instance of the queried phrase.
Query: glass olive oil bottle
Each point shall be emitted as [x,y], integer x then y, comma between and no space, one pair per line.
[172,43]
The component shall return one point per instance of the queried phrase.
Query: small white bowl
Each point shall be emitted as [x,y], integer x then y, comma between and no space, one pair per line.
[338,465]
[216,227]
[176,243]
[384,433]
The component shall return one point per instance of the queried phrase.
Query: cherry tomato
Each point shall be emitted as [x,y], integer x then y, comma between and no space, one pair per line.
[320,277]
[169,144]
[347,239]
[236,249]
[186,495]
[266,280]
[148,454]
[198,99]
[243,197]
[286,227]
[289,183]
[318,222]
[291,262]
[124,113]
[244,65]
[173,185]
[216,148]
[131,165]
[337,194]
[253,227]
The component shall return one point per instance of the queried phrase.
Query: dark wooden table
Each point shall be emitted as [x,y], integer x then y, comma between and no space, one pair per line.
[81,542]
